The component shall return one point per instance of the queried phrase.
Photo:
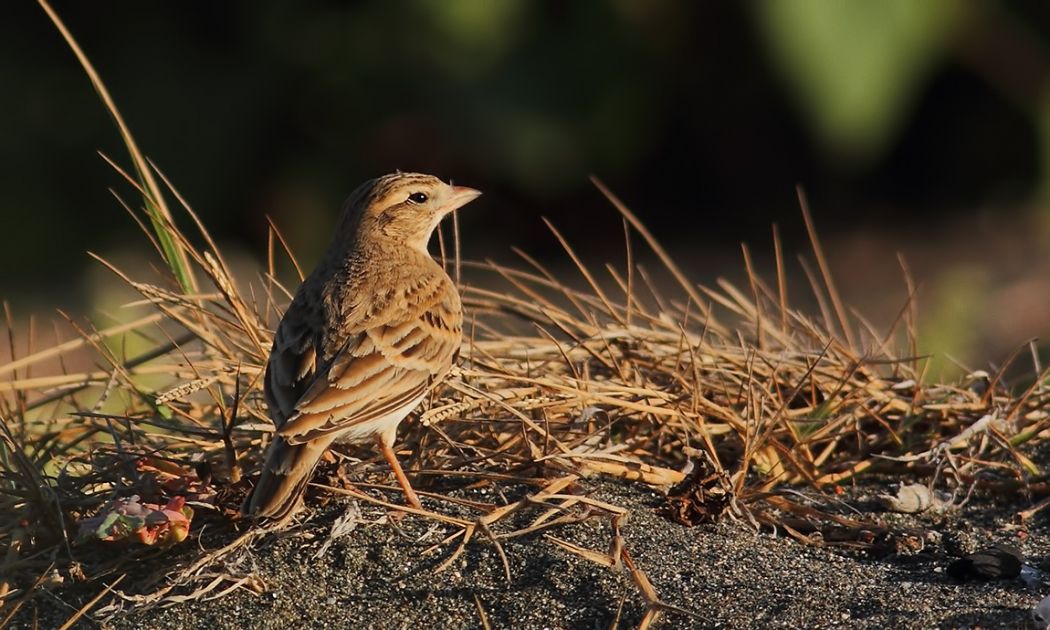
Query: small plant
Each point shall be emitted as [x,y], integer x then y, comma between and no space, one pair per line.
[129,520]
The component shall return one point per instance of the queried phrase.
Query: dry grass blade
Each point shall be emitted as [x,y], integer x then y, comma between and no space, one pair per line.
[91,603]
[825,270]
[665,258]
[583,552]
[78,343]
[482,615]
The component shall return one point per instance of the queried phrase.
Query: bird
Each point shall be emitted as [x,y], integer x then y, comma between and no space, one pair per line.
[373,328]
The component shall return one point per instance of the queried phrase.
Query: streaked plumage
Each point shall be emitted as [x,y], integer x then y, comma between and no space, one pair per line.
[369,333]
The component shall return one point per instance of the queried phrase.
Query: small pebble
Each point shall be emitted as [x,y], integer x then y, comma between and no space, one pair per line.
[1000,562]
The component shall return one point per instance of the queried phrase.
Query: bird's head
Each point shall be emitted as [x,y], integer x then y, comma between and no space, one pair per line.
[403,208]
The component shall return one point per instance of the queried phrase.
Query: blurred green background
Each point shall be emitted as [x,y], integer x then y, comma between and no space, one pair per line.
[915,127]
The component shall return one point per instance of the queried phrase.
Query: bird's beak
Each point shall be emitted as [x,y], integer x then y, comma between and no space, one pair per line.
[461,196]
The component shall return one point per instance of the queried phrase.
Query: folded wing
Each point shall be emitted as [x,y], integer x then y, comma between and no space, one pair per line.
[384,364]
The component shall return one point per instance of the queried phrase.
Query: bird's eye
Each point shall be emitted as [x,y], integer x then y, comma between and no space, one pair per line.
[418,197]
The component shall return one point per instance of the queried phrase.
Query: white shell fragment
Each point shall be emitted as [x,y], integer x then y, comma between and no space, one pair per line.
[913,498]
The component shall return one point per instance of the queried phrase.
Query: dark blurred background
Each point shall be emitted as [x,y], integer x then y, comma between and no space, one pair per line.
[914,127]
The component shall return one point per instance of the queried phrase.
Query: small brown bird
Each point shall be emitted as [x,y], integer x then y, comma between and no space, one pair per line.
[372,329]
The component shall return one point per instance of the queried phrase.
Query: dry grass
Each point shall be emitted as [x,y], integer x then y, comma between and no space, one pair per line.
[619,378]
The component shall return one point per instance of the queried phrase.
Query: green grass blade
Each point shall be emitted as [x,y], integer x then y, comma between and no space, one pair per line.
[153,198]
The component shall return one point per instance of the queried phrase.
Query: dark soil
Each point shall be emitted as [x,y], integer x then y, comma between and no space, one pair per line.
[727,575]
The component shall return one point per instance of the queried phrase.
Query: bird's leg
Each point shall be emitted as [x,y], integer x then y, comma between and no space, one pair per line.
[402,480]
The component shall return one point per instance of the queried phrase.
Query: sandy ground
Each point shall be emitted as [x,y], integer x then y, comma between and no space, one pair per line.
[727,575]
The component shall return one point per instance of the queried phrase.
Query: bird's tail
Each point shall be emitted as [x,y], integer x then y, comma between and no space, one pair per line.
[285,473]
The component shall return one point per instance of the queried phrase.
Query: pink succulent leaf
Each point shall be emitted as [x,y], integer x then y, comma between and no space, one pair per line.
[146,523]
[146,536]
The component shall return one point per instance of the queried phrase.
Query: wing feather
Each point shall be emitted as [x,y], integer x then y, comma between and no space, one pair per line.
[385,364]
[293,359]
